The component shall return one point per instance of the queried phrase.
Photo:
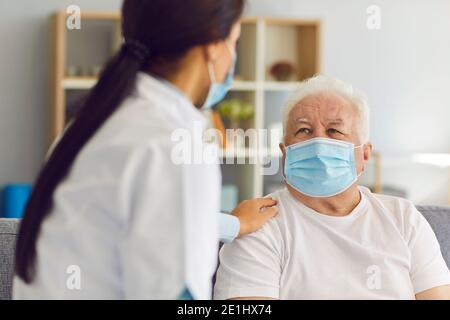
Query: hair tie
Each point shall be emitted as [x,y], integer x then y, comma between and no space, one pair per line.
[139,49]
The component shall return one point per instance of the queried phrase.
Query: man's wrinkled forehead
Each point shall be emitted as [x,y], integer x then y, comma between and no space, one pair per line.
[323,108]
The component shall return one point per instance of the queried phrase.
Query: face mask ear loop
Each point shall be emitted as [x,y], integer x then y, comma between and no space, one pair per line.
[230,50]
[212,76]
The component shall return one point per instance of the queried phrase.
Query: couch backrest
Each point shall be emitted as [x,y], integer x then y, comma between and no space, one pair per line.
[439,219]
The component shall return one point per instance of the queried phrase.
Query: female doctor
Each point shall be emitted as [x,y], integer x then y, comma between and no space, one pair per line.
[111,214]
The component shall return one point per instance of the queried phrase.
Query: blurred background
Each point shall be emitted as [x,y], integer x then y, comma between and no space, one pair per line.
[395,51]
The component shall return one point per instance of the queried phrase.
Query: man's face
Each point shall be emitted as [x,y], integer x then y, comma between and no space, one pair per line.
[326,115]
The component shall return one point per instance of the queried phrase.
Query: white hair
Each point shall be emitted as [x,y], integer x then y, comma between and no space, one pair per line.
[322,83]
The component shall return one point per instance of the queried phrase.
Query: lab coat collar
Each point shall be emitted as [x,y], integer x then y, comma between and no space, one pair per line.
[151,88]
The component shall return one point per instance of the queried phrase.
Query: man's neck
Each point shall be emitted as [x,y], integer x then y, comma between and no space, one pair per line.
[338,205]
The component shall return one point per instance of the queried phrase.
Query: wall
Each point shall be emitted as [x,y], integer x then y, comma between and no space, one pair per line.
[24,91]
[403,68]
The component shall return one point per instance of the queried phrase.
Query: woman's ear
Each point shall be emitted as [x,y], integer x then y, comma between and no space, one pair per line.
[212,51]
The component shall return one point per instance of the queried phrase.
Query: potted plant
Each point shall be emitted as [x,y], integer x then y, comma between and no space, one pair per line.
[235,111]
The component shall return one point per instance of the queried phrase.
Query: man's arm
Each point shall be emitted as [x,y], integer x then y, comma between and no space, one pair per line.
[436,293]
[250,267]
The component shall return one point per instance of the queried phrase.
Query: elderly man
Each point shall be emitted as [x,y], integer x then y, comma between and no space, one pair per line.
[333,239]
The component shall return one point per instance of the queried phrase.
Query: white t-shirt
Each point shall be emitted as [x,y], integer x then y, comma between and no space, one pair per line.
[384,249]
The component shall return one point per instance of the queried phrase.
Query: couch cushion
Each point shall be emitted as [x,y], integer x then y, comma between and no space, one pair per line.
[8,232]
[439,219]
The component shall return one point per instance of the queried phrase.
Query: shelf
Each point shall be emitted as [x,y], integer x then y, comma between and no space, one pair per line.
[239,85]
[79,83]
[295,42]
[92,15]
[85,52]
[280,85]
[85,83]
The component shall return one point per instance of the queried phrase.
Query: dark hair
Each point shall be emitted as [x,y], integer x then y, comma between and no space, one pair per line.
[156,33]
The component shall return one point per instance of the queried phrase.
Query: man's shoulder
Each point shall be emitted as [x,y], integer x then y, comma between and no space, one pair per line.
[271,232]
[402,210]
[388,201]
[279,194]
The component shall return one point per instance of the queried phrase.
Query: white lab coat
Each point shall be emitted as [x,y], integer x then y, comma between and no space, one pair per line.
[127,222]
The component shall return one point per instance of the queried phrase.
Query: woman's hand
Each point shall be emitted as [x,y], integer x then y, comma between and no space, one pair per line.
[253,213]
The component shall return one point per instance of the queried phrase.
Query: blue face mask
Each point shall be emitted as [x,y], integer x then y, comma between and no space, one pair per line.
[217,90]
[320,167]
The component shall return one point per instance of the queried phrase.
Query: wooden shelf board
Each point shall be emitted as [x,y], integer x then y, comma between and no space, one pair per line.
[280,85]
[78,83]
[81,83]
[94,15]
[240,85]
[291,21]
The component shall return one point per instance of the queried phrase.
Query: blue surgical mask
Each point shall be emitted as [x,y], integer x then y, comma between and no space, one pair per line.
[217,90]
[320,167]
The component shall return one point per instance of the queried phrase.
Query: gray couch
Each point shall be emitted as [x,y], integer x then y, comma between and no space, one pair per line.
[437,216]
[8,233]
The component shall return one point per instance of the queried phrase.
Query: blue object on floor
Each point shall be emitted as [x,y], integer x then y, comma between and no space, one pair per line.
[15,197]
[186,295]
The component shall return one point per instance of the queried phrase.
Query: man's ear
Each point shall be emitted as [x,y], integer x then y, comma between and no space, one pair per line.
[282,148]
[367,152]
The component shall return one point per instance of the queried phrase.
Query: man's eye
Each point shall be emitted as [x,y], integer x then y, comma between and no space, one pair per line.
[304,130]
[333,131]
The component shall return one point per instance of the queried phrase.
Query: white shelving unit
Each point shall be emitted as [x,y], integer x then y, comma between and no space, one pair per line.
[263,41]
